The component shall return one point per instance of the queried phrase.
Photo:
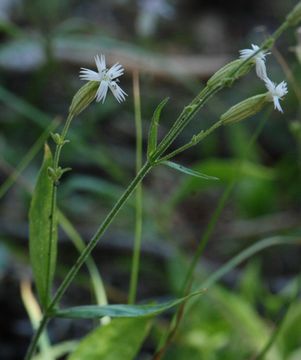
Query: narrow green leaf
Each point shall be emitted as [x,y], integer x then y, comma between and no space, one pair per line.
[187,171]
[120,310]
[153,130]
[42,246]
[120,339]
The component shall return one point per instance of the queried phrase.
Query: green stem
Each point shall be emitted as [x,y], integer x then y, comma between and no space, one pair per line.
[201,247]
[59,147]
[53,217]
[184,118]
[101,230]
[195,140]
[200,100]
[52,234]
[86,252]
[138,220]
[277,33]
[52,231]
[34,341]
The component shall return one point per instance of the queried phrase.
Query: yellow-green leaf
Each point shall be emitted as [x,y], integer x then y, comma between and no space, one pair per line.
[120,339]
[43,231]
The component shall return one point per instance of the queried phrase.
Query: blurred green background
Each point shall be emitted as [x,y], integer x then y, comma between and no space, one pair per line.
[175,46]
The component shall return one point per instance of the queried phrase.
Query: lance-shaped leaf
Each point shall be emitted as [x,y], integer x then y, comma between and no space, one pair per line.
[153,130]
[120,310]
[43,231]
[188,171]
[120,339]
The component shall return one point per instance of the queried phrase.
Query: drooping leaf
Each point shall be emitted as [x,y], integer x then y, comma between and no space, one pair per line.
[42,246]
[153,130]
[188,171]
[120,339]
[120,310]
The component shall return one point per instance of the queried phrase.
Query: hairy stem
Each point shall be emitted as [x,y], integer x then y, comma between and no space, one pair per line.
[101,230]
[52,216]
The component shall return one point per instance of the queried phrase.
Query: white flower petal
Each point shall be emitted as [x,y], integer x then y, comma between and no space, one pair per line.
[277,104]
[261,69]
[102,91]
[115,71]
[100,63]
[103,61]
[255,47]
[89,75]
[258,59]
[270,85]
[245,53]
[117,91]
[281,89]
[276,92]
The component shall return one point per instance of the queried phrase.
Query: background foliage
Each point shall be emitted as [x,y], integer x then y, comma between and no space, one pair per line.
[43,45]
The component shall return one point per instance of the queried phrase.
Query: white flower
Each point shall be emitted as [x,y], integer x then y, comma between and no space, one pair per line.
[276,92]
[106,77]
[259,60]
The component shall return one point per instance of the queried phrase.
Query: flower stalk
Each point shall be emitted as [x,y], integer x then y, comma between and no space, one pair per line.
[138,199]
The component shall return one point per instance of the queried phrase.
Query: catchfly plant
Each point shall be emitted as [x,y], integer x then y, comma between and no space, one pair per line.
[45,217]
[258,59]
[276,92]
[108,79]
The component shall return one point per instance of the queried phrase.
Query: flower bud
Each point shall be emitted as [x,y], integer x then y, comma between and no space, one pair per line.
[244,109]
[83,98]
[229,71]
[294,17]
[56,138]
